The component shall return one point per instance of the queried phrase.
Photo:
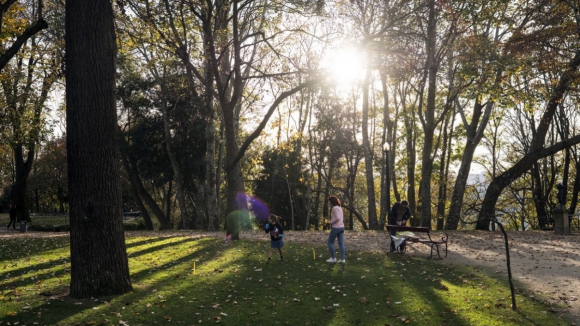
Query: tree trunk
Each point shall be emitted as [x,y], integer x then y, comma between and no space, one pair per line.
[236,209]
[200,217]
[60,197]
[329,179]
[503,180]
[539,198]
[474,133]
[185,222]
[411,163]
[211,183]
[135,191]
[370,178]
[308,202]
[428,121]
[218,181]
[536,150]
[317,199]
[576,188]
[20,186]
[133,173]
[99,264]
[443,172]
[167,201]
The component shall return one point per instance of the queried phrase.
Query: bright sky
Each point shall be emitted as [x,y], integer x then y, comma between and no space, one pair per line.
[346,65]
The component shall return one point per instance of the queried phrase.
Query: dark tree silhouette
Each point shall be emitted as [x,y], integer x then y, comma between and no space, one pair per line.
[99,264]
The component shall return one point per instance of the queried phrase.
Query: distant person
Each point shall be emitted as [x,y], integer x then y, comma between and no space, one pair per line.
[336,231]
[13,214]
[276,234]
[399,215]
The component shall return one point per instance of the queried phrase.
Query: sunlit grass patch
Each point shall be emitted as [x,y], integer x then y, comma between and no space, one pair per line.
[187,280]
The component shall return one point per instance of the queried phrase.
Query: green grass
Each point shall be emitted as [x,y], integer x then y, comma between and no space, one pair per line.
[232,285]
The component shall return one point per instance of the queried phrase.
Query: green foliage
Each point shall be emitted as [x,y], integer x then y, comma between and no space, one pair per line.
[281,184]
[144,104]
[192,280]
[48,181]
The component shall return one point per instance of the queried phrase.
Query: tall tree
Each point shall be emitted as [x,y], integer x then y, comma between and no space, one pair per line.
[436,48]
[99,264]
[30,78]
[482,61]
[236,46]
[551,30]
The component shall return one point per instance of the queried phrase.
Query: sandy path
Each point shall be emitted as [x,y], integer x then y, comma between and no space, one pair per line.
[546,264]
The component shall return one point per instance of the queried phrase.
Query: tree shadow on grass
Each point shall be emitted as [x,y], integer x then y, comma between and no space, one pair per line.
[233,285]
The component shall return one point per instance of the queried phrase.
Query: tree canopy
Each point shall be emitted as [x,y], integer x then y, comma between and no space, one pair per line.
[220,100]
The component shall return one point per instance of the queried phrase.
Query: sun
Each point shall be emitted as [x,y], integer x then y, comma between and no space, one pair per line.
[345,66]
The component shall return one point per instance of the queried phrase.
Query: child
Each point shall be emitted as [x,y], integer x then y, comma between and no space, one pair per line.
[276,235]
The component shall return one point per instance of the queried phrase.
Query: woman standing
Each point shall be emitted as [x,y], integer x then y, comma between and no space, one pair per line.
[336,231]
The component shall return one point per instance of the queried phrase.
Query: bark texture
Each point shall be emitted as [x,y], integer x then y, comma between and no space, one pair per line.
[99,264]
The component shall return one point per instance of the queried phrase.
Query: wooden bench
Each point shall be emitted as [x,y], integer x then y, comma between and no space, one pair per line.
[432,243]
[131,214]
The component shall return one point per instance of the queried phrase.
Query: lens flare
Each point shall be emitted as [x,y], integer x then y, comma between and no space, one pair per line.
[256,207]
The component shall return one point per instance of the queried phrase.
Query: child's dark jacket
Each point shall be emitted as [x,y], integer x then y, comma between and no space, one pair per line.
[275,230]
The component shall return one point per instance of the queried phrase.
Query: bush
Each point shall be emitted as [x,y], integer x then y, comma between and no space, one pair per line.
[136,225]
[49,228]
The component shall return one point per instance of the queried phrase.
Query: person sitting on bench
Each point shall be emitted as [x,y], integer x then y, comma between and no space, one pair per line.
[399,215]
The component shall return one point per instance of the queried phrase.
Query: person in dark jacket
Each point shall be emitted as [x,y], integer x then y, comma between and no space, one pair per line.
[12,217]
[276,234]
[399,215]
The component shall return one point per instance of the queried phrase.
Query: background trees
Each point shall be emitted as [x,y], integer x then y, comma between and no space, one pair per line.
[29,65]
[221,100]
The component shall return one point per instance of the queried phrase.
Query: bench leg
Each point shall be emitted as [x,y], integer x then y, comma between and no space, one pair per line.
[436,247]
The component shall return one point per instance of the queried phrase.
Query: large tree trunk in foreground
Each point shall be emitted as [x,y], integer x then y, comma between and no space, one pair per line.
[99,264]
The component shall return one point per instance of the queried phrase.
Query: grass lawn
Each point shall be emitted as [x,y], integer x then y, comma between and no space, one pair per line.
[232,285]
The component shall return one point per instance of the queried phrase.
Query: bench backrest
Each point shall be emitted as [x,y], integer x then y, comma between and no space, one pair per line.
[407,228]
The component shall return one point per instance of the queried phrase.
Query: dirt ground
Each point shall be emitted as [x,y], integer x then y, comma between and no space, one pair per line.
[545,265]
